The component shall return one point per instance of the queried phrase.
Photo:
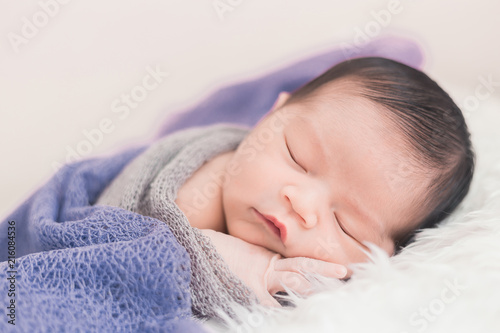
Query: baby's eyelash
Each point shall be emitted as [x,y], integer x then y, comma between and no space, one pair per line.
[291,155]
[342,227]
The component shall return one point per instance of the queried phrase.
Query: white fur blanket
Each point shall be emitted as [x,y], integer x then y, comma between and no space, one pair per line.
[446,281]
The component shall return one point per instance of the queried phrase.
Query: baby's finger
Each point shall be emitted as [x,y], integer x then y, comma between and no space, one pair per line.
[291,280]
[303,265]
[266,299]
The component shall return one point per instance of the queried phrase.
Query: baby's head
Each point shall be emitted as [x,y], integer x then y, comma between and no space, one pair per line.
[369,151]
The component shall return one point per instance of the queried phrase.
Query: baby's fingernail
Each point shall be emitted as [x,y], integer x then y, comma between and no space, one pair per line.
[342,271]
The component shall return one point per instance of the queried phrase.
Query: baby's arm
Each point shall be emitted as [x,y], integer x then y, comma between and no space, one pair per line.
[266,272]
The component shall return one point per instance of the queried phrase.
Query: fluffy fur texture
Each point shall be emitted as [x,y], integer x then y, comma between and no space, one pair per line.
[446,281]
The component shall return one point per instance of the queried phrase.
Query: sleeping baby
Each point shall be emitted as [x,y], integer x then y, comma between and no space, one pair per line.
[363,155]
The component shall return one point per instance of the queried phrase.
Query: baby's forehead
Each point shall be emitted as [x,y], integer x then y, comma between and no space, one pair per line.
[338,107]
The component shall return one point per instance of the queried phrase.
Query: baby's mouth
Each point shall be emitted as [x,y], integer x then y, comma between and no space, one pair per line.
[274,225]
[273,228]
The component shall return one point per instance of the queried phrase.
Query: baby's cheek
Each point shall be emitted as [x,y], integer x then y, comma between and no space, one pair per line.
[331,250]
[328,249]
[261,172]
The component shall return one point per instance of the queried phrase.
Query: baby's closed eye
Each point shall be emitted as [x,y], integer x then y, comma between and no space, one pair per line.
[291,154]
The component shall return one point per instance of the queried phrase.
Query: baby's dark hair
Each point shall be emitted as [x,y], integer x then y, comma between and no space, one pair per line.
[430,121]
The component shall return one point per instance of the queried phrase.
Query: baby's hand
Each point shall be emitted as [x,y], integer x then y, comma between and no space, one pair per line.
[266,272]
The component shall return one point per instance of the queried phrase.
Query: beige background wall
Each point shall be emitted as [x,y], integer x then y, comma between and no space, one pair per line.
[60,79]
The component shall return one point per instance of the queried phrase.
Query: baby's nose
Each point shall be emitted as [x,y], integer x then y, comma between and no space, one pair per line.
[310,220]
[307,203]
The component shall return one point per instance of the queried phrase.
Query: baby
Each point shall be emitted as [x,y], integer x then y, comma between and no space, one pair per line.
[362,156]
[369,152]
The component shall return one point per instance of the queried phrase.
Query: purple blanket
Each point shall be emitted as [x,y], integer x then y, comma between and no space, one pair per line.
[67,265]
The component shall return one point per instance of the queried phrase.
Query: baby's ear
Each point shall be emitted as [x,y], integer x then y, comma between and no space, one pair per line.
[280,101]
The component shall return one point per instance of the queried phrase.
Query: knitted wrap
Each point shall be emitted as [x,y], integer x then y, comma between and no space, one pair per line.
[149,184]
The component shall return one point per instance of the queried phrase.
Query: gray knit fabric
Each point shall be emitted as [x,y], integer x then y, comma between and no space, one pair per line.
[149,184]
